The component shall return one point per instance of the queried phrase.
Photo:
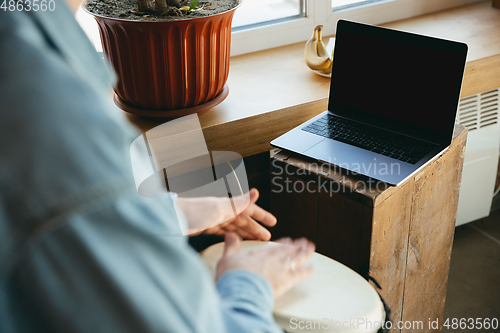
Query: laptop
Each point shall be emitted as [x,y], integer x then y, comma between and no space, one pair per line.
[392,104]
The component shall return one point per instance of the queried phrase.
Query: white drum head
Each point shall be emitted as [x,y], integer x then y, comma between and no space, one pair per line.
[334,299]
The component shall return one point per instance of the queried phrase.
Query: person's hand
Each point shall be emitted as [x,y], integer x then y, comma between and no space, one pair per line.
[215,216]
[282,265]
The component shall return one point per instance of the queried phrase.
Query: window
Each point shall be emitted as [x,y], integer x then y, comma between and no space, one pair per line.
[264,24]
[343,4]
[299,28]
[254,13]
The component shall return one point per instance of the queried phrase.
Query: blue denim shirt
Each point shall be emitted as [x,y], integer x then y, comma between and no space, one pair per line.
[80,250]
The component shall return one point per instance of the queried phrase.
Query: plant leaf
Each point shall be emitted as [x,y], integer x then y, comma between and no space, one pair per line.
[193,4]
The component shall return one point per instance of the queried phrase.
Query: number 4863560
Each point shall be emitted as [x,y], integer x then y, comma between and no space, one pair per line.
[28,5]
[471,323]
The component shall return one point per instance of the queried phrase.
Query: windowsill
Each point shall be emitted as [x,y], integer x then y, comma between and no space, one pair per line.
[273,91]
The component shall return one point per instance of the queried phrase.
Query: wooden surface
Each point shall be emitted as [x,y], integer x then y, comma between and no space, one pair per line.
[432,225]
[402,236]
[273,91]
[389,247]
[481,75]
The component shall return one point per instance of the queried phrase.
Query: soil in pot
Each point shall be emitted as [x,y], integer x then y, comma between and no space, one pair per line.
[129,9]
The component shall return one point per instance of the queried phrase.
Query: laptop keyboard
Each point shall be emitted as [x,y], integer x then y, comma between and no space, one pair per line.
[370,138]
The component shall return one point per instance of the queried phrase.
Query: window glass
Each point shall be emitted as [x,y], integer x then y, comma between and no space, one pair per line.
[258,12]
[341,4]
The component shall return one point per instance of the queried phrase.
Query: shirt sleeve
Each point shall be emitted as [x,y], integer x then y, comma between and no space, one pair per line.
[105,268]
[80,250]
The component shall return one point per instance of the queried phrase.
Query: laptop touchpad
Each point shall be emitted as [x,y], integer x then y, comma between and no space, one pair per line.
[336,152]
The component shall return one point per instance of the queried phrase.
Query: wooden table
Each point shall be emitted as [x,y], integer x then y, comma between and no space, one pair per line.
[273,91]
[401,236]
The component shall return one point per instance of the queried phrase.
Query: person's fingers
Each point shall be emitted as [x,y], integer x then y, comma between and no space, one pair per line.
[294,244]
[294,254]
[284,240]
[284,252]
[254,195]
[216,228]
[252,227]
[242,232]
[302,273]
[231,244]
[303,255]
[263,233]
[220,232]
[230,227]
[245,200]
[301,242]
[262,215]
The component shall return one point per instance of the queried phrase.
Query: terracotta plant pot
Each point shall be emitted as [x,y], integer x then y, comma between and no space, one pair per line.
[168,65]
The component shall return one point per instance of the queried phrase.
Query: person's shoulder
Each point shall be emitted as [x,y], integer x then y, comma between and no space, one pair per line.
[51,74]
[57,129]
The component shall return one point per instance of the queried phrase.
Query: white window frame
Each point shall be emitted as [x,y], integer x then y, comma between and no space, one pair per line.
[320,12]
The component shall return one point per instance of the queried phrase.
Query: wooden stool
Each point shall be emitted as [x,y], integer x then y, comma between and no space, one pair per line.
[401,236]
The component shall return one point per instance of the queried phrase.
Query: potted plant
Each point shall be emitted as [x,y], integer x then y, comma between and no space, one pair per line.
[171,56]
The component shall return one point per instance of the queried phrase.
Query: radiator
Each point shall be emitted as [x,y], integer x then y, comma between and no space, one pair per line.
[480,114]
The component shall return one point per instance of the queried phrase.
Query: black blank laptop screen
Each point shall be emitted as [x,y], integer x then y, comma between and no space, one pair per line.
[392,78]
